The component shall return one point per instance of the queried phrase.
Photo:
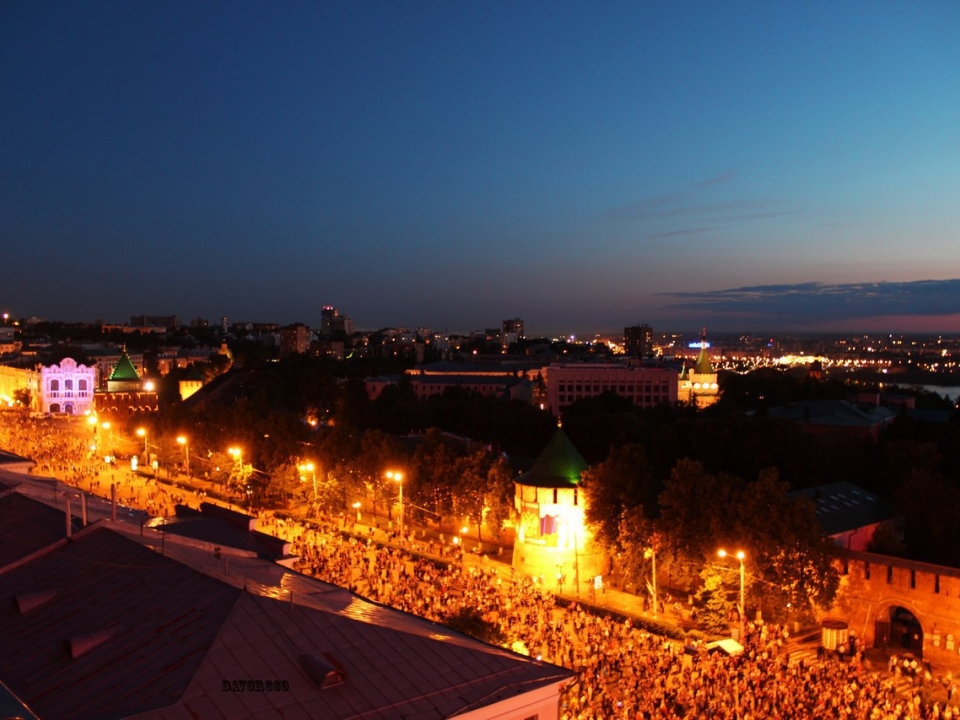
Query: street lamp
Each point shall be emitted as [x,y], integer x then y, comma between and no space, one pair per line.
[142,432]
[95,426]
[356,506]
[106,426]
[743,609]
[237,454]
[186,453]
[652,555]
[397,477]
[312,469]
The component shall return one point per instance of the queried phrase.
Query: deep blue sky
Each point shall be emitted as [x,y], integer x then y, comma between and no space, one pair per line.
[581,165]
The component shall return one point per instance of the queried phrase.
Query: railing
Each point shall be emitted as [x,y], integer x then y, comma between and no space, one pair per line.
[70,394]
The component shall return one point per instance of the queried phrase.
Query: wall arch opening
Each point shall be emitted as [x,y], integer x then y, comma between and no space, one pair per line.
[899,629]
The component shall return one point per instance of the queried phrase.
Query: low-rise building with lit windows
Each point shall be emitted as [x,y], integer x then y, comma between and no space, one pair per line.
[645,386]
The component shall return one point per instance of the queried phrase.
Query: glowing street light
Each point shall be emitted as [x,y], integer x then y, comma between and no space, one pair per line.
[237,454]
[356,506]
[397,477]
[740,556]
[182,440]
[312,469]
[651,553]
[142,432]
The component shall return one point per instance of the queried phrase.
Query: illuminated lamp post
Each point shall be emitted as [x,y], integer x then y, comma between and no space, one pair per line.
[651,553]
[740,556]
[356,506]
[142,432]
[182,440]
[397,477]
[312,469]
[237,454]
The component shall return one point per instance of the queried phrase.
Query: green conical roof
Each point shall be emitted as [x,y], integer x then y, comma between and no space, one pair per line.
[560,465]
[124,369]
[703,362]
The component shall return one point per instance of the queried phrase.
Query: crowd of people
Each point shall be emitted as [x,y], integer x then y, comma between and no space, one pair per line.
[623,671]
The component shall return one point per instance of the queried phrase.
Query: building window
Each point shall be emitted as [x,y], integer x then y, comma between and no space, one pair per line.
[68,384]
[846,566]
[936,584]
[54,385]
[913,579]
[866,571]
[82,385]
[889,574]
[555,496]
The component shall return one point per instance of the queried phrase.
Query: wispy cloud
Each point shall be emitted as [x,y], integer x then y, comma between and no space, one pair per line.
[724,177]
[674,233]
[691,210]
[807,303]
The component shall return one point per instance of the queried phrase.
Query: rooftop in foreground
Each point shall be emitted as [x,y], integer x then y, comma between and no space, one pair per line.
[109,624]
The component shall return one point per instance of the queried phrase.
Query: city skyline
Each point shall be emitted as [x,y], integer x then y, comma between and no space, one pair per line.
[740,167]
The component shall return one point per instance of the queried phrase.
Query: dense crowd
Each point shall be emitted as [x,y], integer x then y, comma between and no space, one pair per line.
[623,671]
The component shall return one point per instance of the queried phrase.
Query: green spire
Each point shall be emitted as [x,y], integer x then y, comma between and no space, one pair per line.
[559,465]
[703,366]
[124,369]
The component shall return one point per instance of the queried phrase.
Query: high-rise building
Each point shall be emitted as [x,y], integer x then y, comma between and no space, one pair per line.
[294,339]
[511,331]
[638,340]
[332,322]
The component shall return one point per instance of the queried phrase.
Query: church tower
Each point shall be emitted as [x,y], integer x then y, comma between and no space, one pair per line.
[698,385]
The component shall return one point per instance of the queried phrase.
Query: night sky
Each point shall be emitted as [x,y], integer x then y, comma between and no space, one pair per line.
[584,166]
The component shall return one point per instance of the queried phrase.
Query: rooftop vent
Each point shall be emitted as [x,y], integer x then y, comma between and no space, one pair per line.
[26,602]
[77,646]
[322,670]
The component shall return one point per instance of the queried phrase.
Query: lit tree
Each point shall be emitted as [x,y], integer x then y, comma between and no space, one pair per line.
[623,482]
[500,494]
[717,598]
[469,495]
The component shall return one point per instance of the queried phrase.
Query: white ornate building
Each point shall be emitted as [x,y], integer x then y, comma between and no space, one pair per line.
[68,387]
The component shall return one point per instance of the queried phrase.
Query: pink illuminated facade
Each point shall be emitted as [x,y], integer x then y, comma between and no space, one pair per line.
[68,387]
